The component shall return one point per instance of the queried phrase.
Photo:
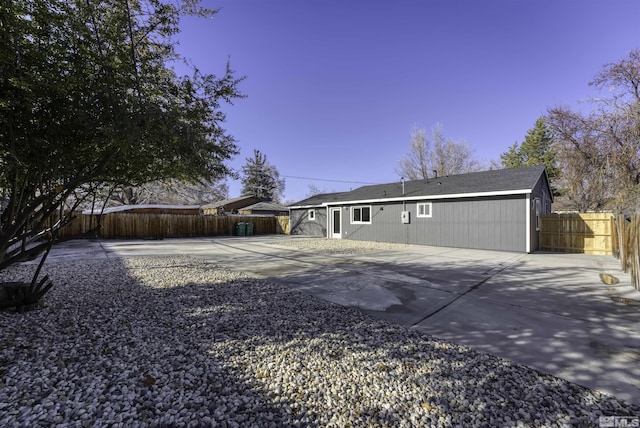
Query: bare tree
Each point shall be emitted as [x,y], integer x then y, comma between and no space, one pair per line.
[451,157]
[619,124]
[200,193]
[623,78]
[439,156]
[599,153]
[415,165]
[315,190]
[585,170]
[494,164]
[172,192]
[128,195]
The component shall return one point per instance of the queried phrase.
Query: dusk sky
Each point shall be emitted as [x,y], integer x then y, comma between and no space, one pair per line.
[334,87]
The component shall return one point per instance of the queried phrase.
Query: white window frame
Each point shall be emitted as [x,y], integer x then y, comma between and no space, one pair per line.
[360,207]
[311,215]
[425,204]
[538,213]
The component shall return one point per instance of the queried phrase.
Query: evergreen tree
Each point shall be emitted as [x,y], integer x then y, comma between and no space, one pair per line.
[261,179]
[536,149]
[512,158]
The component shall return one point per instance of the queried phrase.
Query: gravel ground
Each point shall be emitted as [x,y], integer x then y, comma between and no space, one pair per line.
[338,246]
[180,342]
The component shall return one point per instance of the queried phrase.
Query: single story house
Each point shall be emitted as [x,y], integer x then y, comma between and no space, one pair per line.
[493,210]
[265,208]
[230,206]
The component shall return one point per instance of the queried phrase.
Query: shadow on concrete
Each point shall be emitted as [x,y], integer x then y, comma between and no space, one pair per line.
[560,320]
[271,330]
[511,306]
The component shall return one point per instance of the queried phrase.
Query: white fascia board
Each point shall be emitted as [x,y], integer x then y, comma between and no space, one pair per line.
[303,207]
[528,224]
[432,197]
[328,223]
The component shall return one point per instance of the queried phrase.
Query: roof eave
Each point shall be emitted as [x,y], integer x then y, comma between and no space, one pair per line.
[429,197]
[300,207]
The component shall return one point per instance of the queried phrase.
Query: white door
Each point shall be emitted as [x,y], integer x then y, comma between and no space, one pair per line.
[335,223]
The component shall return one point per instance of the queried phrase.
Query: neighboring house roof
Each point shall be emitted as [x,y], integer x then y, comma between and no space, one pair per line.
[319,199]
[265,206]
[494,182]
[141,207]
[226,202]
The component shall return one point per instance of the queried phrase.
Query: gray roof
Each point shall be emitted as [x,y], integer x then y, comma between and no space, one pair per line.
[493,181]
[322,198]
[266,206]
[228,201]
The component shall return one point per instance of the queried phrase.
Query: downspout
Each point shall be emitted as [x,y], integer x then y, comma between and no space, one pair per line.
[404,208]
[327,220]
[528,223]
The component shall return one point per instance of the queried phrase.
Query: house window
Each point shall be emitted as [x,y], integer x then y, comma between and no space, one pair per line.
[424,209]
[311,215]
[361,215]
[538,213]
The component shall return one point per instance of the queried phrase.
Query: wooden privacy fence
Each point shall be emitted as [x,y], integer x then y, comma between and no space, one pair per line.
[589,233]
[595,233]
[131,226]
[282,224]
[626,245]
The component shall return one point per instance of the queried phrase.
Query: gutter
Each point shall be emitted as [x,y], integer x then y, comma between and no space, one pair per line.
[428,197]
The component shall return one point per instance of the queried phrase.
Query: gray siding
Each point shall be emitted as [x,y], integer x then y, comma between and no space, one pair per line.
[493,223]
[541,191]
[300,224]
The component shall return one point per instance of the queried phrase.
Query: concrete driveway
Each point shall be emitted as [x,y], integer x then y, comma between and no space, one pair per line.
[548,311]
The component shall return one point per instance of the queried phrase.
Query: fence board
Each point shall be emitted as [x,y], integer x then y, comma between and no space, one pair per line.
[589,233]
[626,245]
[282,225]
[156,226]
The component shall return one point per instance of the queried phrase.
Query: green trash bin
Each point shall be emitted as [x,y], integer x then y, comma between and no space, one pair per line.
[241,229]
[249,229]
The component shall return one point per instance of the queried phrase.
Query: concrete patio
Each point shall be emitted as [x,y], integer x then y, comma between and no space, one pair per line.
[548,311]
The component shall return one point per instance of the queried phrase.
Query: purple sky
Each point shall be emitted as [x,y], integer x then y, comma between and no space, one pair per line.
[334,87]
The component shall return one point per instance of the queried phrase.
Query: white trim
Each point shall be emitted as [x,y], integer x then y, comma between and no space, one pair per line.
[327,221]
[430,197]
[311,214]
[330,225]
[352,221]
[430,204]
[528,223]
[299,207]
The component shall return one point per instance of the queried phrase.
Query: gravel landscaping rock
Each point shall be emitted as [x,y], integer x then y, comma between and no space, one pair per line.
[338,246]
[177,341]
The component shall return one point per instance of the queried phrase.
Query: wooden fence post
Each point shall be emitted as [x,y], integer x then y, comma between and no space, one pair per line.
[627,242]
